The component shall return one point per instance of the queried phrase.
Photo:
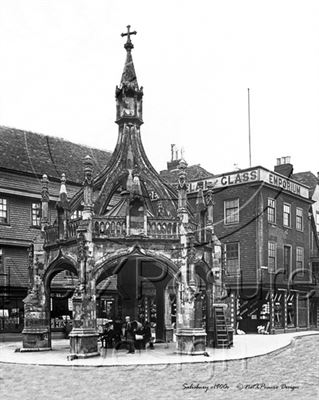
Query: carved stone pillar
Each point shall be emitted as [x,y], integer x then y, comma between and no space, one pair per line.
[83,337]
[189,339]
[36,333]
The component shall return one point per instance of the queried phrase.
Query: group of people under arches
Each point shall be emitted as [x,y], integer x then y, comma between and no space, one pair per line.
[131,335]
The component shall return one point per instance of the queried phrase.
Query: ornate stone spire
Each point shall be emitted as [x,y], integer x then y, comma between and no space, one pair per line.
[210,205]
[129,157]
[63,195]
[88,187]
[182,186]
[63,186]
[129,76]
[128,94]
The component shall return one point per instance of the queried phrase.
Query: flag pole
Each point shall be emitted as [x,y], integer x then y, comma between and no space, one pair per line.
[249,132]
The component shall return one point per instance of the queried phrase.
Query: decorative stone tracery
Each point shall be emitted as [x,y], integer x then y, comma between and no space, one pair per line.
[160,231]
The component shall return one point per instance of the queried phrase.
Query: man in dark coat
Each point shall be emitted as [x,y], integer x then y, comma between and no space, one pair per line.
[129,333]
[148,335]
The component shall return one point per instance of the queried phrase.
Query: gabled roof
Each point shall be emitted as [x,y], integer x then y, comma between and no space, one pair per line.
[38,154]
[193,173]
[307,178]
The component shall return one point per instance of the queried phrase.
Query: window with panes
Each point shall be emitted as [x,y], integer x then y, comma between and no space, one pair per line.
[3,211]
[300,258]
[299,219]
[36,214]
[272,256]
[232,257]
[271,211]
[231,211]
[287,215]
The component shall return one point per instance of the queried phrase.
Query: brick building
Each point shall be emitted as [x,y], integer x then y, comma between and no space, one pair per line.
[25,157]
[267,223]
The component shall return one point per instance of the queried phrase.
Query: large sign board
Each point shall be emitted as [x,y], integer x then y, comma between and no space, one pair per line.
[252,175]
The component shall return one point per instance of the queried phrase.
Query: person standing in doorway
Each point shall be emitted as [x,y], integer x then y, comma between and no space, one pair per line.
[148,335]
[128,333]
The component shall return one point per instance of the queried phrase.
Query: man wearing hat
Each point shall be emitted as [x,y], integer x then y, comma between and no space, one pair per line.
[128,333]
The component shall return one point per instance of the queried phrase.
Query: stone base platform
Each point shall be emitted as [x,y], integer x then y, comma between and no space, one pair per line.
[245,346]
[83,343]
[191,341]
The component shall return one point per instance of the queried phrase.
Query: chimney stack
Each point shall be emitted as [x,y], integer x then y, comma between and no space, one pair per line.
[284,167]
[175,158]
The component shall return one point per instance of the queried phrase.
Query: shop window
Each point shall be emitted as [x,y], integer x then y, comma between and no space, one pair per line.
[279,310]
[271,211]
[3,211]
[231,212]
[36,214]
[291,310]
[264,313]
[302,312]
[300,259]
[287,215]
[232,258]
[299,219]
[272,256]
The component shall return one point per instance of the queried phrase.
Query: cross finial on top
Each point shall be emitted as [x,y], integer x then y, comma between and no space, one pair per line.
[128,45]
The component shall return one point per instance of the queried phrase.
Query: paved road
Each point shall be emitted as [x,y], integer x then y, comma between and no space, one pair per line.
[289,374]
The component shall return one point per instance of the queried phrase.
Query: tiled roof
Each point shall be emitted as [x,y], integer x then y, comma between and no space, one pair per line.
[194,173]
[307,178]
[39,154]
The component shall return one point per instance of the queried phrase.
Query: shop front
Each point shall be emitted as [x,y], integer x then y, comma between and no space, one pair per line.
[290,311]
[11,312]
[274,311]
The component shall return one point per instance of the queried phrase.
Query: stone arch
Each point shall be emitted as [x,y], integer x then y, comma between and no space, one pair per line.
[108,261]
[154,270]
[61,263]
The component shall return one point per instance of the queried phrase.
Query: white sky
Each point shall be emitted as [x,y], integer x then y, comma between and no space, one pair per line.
[61,60]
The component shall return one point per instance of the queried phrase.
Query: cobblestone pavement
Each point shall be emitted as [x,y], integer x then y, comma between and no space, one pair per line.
[289,374]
